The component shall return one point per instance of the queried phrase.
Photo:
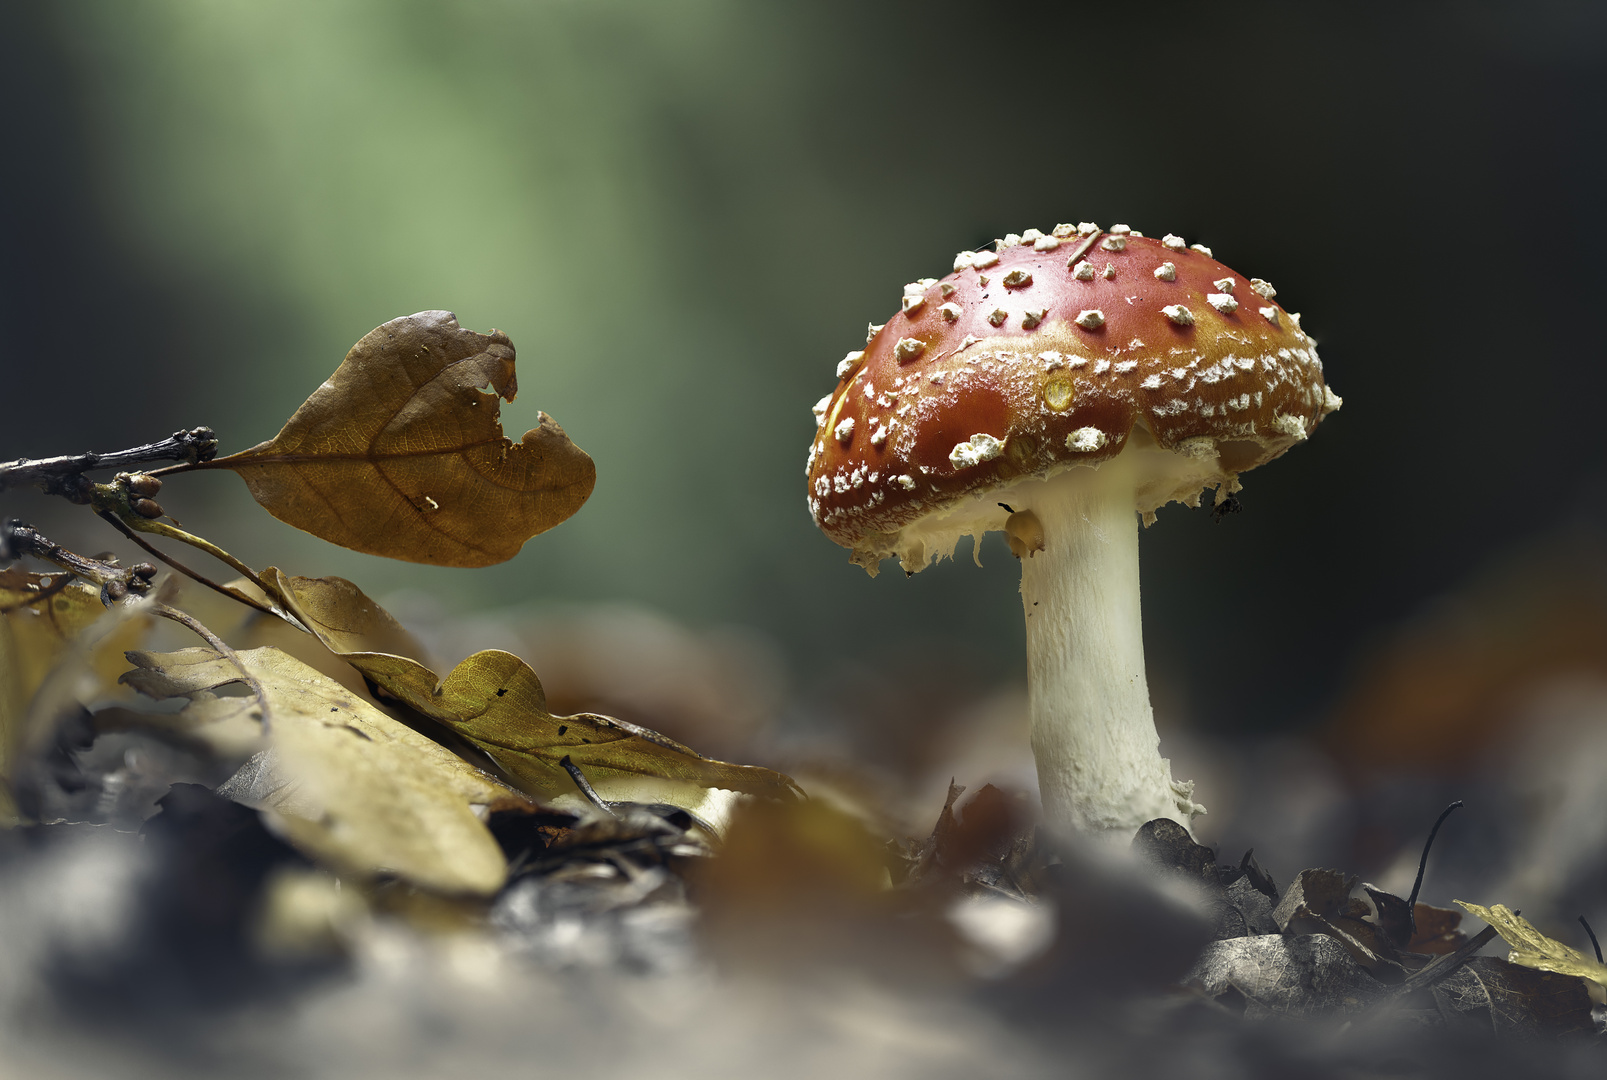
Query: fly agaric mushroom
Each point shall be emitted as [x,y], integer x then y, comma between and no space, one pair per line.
[1057,388]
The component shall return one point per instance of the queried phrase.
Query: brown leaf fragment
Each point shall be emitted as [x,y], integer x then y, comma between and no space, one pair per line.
[342,616]
[1319,902]
[1437,933]
[1493,995]
[1299,976]
[401,452]
[982,846]
[342,781]
[1319,891]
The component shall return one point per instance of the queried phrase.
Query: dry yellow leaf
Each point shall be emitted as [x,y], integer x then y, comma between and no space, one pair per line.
[401,452]
[41,615]
[1532,949]
[355,789]
[494,700]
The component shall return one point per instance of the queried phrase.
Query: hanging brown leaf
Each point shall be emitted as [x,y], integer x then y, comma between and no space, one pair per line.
[401,453]
[344,782]
[495,700]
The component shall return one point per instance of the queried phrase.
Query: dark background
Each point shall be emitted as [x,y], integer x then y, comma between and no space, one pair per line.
[685,213]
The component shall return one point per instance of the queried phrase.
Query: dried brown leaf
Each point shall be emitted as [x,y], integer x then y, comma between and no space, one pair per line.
[401,452]
[1438,930]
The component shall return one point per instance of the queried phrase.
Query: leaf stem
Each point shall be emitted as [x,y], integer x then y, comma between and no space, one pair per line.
[194,575]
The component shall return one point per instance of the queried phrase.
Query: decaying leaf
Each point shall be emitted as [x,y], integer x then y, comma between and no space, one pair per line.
[1302,976]
[495,700]
[343,781]
[1239,898]
[1496,996]
[1318,901]
[401,452]
[1532,949]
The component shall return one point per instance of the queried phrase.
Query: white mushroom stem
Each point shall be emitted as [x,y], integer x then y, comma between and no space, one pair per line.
[1093,733]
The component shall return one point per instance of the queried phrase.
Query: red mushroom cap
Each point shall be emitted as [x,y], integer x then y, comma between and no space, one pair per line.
[1048,354]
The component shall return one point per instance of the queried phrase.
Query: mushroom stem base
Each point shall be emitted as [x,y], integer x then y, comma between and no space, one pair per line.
[1093,733]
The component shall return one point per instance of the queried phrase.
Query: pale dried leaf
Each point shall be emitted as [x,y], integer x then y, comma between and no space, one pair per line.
[349,785]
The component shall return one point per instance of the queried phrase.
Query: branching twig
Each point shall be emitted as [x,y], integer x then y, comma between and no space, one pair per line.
[18,540]
[64,475]
[192,623]
[193,575]
[115,499]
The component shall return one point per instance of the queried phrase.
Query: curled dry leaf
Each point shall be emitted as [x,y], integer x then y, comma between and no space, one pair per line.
[401,453]
[341,615]
[347,784]
[495,700]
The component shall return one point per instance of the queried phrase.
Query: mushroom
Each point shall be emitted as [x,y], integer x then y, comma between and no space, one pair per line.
[1033,392]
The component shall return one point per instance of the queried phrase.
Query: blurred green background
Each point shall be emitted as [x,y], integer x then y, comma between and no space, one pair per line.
[684,212]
